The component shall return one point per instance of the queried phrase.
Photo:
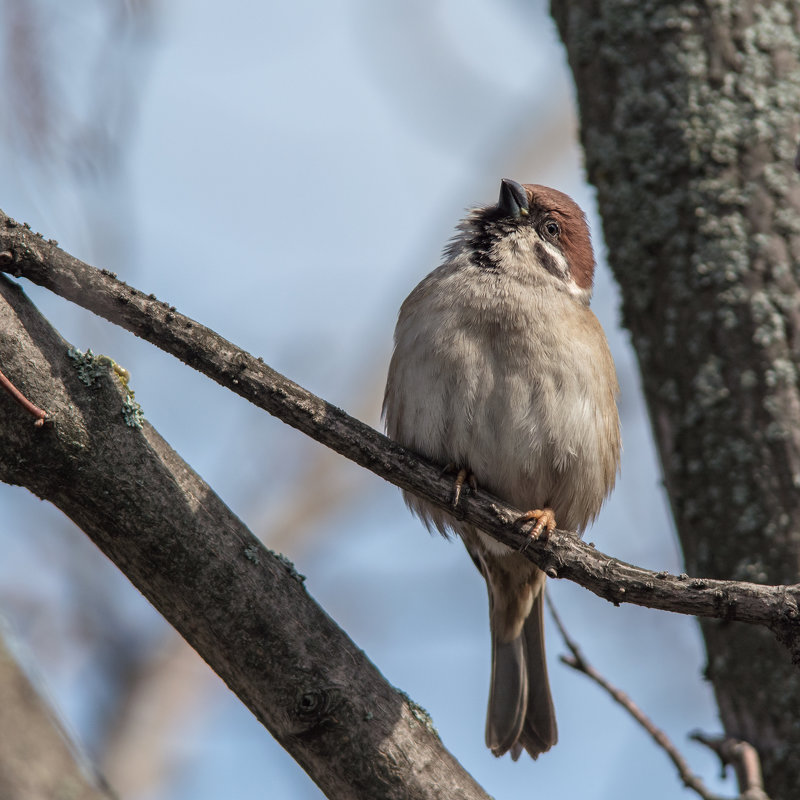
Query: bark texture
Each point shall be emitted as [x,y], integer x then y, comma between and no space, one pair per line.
[690,116]
[243,609]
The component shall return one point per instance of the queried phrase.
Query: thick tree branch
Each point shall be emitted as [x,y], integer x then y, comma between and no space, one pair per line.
[243,609]
[26,254]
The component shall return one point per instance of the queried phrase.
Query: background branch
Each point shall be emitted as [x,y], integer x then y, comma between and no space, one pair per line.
[577,660]
[26,254]
[243,609]
[38,757]
[744,759]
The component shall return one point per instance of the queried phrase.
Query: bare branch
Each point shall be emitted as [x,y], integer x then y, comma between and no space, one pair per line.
[24,253]
[579,663]
[38,757]
[744,759]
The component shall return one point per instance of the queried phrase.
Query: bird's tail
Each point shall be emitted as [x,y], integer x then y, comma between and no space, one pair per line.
[521,714]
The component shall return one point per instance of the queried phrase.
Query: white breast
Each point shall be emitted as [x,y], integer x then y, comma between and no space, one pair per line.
[518,386]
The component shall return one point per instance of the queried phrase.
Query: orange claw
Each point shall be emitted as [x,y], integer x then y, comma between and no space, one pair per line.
[463,476]
[545,521]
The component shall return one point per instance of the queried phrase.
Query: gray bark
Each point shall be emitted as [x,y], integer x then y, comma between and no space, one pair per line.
[690,119]
[241,607]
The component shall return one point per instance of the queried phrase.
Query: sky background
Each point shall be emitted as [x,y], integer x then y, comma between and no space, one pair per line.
[285,174]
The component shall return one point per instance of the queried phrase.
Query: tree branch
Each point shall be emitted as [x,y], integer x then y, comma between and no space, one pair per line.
[577,660]
[24,253]
[745,760]
[242,608]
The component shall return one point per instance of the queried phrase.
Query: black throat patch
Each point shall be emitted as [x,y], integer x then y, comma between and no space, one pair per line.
[489,229]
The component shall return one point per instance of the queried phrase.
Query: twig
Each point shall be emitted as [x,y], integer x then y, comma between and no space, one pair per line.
[23,401]
[578,662]
[26,254]
[744,759]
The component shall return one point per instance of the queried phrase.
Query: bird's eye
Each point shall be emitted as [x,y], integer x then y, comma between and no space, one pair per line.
[552,228]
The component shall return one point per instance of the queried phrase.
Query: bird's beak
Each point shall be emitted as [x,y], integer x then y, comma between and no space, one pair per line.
[513,199]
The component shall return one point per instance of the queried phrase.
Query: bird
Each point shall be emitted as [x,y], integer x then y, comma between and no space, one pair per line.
[501,372]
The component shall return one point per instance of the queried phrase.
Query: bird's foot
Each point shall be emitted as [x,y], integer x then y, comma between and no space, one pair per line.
[545,522]
[463,476]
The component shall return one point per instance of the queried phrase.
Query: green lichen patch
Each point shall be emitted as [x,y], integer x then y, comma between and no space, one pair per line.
[290,567]
[131,411]
[419,713]
[90,367]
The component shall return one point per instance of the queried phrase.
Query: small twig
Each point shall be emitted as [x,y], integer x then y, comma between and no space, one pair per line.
[743,757]
[23,401]
[578,662]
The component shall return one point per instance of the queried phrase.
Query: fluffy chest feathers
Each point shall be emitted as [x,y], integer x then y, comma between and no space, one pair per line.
[514,382]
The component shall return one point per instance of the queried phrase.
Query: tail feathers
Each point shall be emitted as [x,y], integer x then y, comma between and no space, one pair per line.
[521,714]
[540,732]
[508,695]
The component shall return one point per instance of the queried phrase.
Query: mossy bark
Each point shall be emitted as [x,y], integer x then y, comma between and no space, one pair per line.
[690,117]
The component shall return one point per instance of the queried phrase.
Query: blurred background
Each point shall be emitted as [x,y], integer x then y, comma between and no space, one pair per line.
[285,173]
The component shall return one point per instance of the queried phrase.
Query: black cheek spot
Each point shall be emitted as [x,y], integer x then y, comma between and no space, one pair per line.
[546,260]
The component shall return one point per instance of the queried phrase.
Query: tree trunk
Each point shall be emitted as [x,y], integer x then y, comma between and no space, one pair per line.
[689,120]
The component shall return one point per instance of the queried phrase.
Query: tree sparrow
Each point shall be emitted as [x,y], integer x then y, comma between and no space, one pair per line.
[501,370]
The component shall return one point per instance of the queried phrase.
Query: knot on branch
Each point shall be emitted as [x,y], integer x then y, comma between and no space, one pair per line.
[316,709]
[9,262]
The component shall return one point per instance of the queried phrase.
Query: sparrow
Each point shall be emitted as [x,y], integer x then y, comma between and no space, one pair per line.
[501,371]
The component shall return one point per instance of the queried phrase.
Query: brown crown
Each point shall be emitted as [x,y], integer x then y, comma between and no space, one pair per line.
[574,239]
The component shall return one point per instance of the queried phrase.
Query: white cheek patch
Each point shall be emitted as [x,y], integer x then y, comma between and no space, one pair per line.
[552,258]
[554,261]
[584,295]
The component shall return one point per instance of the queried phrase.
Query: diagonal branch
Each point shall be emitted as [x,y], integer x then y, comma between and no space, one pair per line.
[242,608]
[24,253]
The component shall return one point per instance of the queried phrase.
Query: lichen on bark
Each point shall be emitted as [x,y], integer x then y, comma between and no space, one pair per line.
[690,118]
